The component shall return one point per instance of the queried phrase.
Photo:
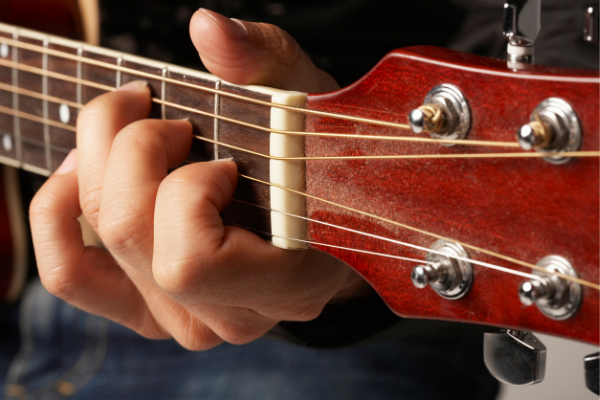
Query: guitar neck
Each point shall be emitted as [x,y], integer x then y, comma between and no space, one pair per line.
[45,81]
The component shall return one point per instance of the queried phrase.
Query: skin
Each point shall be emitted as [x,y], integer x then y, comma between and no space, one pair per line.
[172,269]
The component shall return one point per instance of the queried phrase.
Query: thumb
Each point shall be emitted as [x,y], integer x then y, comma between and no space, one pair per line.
[255,53]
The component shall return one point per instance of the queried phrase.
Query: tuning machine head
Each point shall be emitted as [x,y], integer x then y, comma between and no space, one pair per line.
[514,357]
[445,114]
[556,297]
[553,128]
[451,278]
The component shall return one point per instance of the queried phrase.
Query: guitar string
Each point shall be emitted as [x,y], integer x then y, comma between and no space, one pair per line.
[394,241]
[107,88]
[228,95]
[21,114]
[421,231]
[405,157]
[38,119]
[326,245]
[90,61]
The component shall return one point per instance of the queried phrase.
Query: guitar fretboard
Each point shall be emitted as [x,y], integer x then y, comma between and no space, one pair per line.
[45,81]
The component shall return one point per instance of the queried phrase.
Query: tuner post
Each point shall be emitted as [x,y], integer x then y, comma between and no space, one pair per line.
[451,278]
[557,298]
[444,114]
[553,128]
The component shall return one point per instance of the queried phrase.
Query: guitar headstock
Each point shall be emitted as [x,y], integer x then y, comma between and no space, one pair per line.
[511,216]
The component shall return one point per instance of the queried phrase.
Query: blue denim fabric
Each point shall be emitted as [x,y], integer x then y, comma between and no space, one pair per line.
[67,353]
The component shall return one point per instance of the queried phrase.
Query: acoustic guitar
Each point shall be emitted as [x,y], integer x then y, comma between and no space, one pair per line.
[460,187]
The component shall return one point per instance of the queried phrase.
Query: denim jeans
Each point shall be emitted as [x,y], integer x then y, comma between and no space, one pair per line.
[66,353]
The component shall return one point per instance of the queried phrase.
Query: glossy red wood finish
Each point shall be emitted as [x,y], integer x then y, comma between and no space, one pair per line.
[523,208]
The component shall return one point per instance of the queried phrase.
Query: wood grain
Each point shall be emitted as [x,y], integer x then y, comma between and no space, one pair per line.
[522,208]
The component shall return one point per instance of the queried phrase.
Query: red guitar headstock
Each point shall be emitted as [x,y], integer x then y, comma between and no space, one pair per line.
[510,213]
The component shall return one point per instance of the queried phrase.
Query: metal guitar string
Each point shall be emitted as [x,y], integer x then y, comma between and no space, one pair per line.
[394,241]
[408,157]
[20,114]
[294,109]
[324,244]
[61,54]
[55,75]
[387,220]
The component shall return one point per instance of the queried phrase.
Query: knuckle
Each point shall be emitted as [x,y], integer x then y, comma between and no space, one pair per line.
[121,227]
[60,285]
[42,205]
[89,199]
[193,336]
[177,277]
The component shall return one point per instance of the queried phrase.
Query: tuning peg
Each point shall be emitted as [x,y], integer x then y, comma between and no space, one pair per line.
[590,30]
[444,114]
[521,27]
[553,127]
[590,364]
[556,297]
[514,357]
[449,277]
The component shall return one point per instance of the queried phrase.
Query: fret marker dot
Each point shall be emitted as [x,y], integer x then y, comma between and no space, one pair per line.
[7,143]
[4,50]
[64,113]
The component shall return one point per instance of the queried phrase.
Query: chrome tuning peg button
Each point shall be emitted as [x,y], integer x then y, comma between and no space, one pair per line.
[449,277]
[514,357]
[521,27]
[556,297]
[591,27]
[445,114]
[553,128]
[591,364]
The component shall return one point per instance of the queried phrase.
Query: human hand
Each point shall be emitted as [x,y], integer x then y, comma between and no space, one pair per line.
[172,268]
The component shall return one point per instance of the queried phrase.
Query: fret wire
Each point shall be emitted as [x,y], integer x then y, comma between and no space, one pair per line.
[35,118]
[253,126]
[45,111]
[163,94]
[79,78]
[214,91]
[216,120]
[15,82]
[424,232]
[119,76]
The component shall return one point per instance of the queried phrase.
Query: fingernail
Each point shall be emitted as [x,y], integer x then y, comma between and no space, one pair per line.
[224,159]
[233,28]
[69,164]
[134,86]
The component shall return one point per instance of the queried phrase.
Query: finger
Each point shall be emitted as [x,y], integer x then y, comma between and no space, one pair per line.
[97,125]
[140,158]
[196,258]
[236,325]
[85,277]
[253,53]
